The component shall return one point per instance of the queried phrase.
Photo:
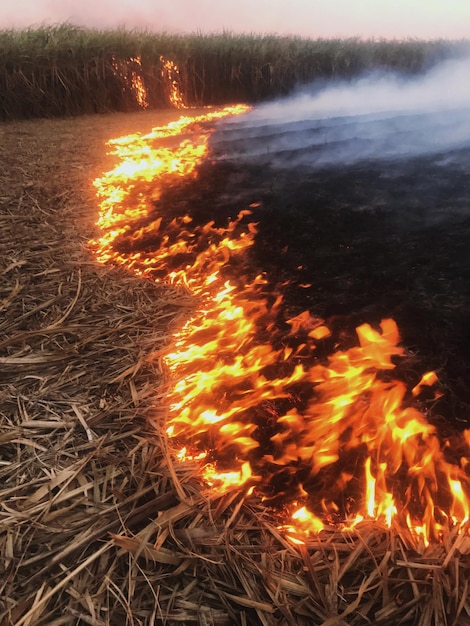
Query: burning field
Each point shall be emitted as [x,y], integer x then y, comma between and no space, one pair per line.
[265,420]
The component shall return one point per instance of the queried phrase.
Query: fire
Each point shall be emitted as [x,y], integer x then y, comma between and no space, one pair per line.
[130,72]
[338,442]
[171,80]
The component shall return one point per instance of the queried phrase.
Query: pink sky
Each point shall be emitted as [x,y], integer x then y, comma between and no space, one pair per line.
[309,18]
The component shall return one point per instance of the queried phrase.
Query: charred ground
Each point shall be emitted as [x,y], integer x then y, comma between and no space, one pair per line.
[358,243]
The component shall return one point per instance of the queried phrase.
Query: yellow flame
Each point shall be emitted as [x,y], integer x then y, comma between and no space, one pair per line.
[171,77]
[130,71]
[220,366]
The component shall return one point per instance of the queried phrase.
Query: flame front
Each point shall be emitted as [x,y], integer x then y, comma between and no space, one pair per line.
[335,442]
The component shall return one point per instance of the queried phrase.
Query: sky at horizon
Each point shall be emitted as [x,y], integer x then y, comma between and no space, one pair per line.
[391,19]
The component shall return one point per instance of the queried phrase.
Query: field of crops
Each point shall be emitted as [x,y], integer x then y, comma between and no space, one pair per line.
[65,70]
[348,220]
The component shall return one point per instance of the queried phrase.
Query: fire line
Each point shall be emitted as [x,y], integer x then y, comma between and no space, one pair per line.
[334,442]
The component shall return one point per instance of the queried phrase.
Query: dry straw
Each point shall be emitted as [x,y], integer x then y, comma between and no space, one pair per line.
[98,523]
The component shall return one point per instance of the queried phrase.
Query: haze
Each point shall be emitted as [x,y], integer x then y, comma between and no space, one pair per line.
[374,117]
[422,19]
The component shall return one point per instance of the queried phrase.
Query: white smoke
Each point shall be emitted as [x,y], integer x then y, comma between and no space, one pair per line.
[378,116]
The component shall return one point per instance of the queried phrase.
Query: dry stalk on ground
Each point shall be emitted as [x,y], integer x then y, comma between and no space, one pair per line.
[98,525]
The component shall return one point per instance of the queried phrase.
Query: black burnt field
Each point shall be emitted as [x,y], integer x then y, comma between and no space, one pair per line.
[363,242]
[352,243]
[360,193]
[359,218]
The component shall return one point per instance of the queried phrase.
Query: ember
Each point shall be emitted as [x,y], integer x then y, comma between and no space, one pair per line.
[336,440]
[130,72]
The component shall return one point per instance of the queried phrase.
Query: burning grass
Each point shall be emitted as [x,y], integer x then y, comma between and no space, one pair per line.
[99,524]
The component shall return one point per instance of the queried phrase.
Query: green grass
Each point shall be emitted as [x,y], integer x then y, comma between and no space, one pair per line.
[66,70]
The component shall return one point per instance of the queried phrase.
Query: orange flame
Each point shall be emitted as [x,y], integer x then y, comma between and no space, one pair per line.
[130,71]
[171,79]
[353,448]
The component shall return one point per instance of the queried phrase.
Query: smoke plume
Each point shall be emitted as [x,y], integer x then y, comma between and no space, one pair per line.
[375,117]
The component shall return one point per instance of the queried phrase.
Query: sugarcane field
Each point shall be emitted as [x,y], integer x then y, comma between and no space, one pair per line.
[234,313]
